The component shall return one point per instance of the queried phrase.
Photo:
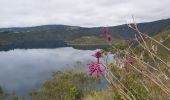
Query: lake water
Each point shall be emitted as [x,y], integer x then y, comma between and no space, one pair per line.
[22,70]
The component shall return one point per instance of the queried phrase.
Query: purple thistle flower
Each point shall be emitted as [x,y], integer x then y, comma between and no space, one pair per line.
[106,35]
[98,54]
[109,37]
[130,60]
[95,69]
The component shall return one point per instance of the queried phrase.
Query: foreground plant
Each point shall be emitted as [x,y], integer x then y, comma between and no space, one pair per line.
[138,72]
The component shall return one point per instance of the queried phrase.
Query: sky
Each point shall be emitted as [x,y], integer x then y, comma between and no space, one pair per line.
[85,13]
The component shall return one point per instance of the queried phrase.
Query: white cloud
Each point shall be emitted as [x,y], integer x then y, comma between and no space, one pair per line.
[15,13]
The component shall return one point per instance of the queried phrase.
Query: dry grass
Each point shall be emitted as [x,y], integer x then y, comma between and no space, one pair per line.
[140,74]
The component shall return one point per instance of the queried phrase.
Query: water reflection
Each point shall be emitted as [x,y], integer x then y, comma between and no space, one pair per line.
[23,70]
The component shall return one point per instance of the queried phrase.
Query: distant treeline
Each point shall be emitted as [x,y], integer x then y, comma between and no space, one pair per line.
[53,36]
[34,44]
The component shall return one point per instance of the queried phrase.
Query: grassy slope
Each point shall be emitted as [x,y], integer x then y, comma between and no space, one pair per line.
[89,40]
[164,38]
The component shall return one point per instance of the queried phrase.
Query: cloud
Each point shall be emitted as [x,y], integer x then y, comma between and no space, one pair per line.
[88,13]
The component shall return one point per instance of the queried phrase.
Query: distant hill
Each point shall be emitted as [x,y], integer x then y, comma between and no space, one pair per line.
[164,38]
[51,36]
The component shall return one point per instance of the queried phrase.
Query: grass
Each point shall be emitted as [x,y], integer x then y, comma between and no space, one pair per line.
[100,95]
[142,72]
[89,40]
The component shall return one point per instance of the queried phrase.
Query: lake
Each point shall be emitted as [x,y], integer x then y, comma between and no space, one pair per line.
[22,70]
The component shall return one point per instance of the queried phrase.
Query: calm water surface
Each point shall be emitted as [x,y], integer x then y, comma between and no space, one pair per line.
[22,70]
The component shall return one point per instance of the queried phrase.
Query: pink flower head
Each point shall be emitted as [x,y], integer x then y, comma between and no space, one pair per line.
[95,69]
[109,37]
[106,35]
[130,60]
[98,54]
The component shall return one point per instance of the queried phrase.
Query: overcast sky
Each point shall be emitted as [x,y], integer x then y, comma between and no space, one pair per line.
[88,13]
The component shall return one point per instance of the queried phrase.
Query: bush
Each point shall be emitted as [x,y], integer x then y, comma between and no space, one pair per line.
[65,86]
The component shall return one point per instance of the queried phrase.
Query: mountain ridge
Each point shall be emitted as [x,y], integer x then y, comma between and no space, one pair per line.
[80,26]
[56,35]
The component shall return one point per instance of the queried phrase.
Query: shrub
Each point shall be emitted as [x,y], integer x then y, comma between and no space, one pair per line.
[65,86]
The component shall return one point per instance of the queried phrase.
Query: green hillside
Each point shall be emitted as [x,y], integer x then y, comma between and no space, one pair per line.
[164,38]
[52,36]
[88,40]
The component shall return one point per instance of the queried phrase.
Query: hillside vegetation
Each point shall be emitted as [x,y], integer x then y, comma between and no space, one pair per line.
[51,36]
[139,72]
[88,40]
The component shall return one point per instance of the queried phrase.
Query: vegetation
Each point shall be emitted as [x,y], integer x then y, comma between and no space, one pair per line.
[2,95]
[65,86]
[52,36]
[139,72]
[88,40]
[100,95]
